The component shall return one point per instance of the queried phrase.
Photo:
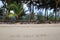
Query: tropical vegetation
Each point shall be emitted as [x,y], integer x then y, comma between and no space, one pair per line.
[18,13]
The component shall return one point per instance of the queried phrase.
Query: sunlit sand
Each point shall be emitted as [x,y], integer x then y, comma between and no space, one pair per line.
[29,31]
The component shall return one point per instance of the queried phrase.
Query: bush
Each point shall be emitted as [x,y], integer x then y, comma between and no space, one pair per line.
[51,17]
[12,17]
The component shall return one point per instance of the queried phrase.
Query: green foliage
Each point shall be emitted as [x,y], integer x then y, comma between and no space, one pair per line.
[40,16]
[35,17]
[59,18]
[26,17]
[18,8]
[51,17]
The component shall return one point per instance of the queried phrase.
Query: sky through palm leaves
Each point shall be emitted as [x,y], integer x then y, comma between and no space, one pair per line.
[27,11]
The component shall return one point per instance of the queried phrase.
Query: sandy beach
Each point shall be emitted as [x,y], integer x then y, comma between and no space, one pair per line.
[29,31]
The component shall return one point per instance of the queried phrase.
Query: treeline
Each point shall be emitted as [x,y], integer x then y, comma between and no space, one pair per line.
[19,14]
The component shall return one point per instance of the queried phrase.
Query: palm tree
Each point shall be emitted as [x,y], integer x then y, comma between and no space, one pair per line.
[57,3]
[17,8]
[15,5]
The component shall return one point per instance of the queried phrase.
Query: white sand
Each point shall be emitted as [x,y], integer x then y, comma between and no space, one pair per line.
[29,31]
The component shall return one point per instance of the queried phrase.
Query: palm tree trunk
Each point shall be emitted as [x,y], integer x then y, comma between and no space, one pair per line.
[32,12]
[56,13]
[45,14]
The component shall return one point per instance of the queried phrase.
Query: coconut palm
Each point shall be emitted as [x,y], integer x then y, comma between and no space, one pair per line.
[17,8]
[15,5]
